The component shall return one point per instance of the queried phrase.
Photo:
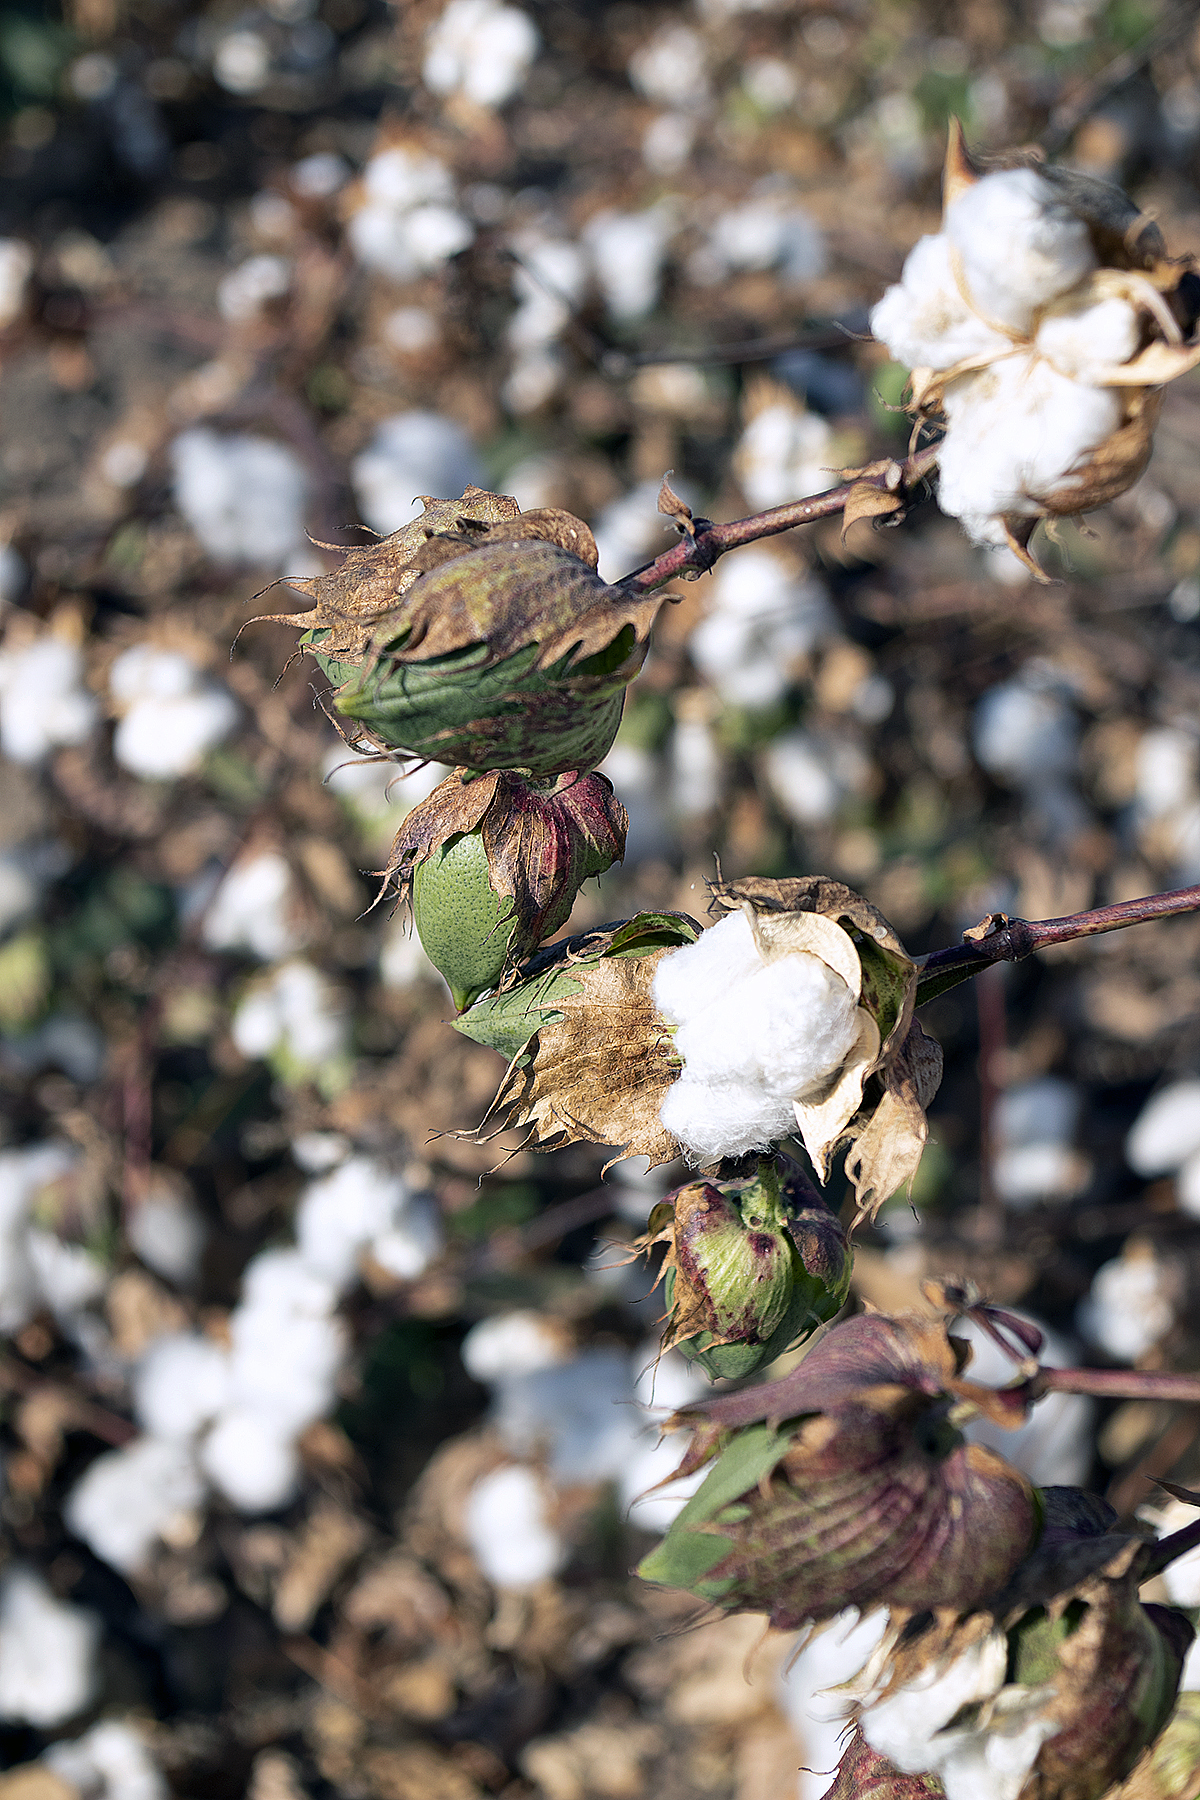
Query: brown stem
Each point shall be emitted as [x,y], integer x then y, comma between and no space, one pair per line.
[1001,939]
[1117,1384]
[699,550]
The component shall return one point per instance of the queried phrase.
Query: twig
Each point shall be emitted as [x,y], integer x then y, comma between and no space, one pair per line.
[698,551]
[1001,939]
[1116,1384]
[832,336]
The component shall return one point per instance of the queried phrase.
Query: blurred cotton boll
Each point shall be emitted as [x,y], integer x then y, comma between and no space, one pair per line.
[411,454]
[128,1498]
[1131,1306]
[166,1229]
[295,1018]
[180,1385]
[338,1216]
[631,530]
[47,1653]
[251,1461]
[628,251]
[767,231]
[43,703]
[515,1343]
[480,49]
[1056,1445]
[763,619]
[173,715]
[244,497]
[1024,734]
[783,454]
[671,67]
[254,908]
[1034,1127]
[1166,1133]
[109,1762]
[28,1259]
[548,280]
[812,774]
[506,1520]
[406,223]
[578,1412]
[252,286]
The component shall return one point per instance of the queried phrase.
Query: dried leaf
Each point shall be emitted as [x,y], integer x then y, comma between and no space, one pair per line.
[885,1153]
[811,934]
[673,507]
[822,1122]
[866,501]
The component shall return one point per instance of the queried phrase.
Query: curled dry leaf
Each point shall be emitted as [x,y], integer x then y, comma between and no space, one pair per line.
[492,865]
[848,1484]
[480,635]
[877,1100]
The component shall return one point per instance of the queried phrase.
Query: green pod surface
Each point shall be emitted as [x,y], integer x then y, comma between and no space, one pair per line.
[463,924]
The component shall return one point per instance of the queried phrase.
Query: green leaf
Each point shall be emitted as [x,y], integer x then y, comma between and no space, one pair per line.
[885,981]
[506,1022]
[685,1555]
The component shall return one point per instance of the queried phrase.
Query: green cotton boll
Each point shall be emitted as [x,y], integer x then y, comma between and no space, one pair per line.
[463,924]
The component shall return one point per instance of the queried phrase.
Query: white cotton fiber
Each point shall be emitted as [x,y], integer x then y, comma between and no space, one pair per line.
[811,773]
[284,1284]
[244,497]
[284,1368]
[247,289]
[180,1385]
[506,1524]
[1020,245]
[43,703]
[109,1762]
[689,979]
[47,1652]
[174,717]
[404,178]
[252,1461]
[712,1122]
[128,1497]
[411,454]
[508,1344]
[338,1215]
[580,1412]
[924,319]
[1083,338]
[1056,1444]
[294,1015]
[764,617]
[1024,734]
[784,452]
[406,1249]
[628,251]
[807,1692]
[253,908]
[1128,1309]
[782,1029]
[1165,771]
[480,49]
[1166,1132]
[670,67]
[167,1231]
[68,1276]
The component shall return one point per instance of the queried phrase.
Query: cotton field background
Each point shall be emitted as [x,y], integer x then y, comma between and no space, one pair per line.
[327,1430]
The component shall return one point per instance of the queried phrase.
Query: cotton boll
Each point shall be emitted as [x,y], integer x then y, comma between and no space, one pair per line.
[628,251]
[1055,1446]
[144,673]
[180,1385]
[690,979]
[406,1249]
[109,1762]
[812,773]
[580,1411]
[784,1029]
[68,1276]
[783,453]
[1165,771]
[319,176]
[697,769]
[508,1344]
[507,1528]
[47,1653]
[403,178]
[253,908]
[283,1284]
[806,1692]
[768,232]
[1035,1123]
[670,67]
[43,704]
[167,1231]
[244,497]
[127,1498]
[1166,1132]
[924,320]
[732,1119]
[412,453]
[1084,338]
[1129,1308]
[284,1369]
[1024,734]
[161,740]
[481,49]
[339,1214]
[249,288]
[251,1458]
[16,266]
[1020,245]
[548,280]
[534,379]
[764,618]
[308,1020]
[667,142]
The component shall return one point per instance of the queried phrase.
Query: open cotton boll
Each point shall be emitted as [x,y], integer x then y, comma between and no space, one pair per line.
[1020,245]
[1056,1444]
[767,232]
[16,266]
[295,1016]
[764,618]
[548,281]
[671,67]
[507,1527]
[480,49]
[1130,1306]
[509,1344]
[688,980]
[251,1458]
[807,1698]
[253,908]
[783,452]
[68,1276]
[244,497]
[732,1119]
[179,1385]
[109,1762]
[247,289]
[338,1215]
[1017,434]
[43,704]
[580,1411]
[1165,771]
[1035,1123]
[284,1284]
[166,1229]
[1085,337]
[175,714]
[628,251]
[47,1652]
[402,178]
[812,773]
[1024,734]
[784,1028]
[127,1498]
[411,454]
[924,319]
[406,1249]
[1166,1133]
[284,1366]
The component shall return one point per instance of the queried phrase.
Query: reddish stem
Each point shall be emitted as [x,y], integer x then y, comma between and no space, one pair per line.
[1117,1384]
[695,553]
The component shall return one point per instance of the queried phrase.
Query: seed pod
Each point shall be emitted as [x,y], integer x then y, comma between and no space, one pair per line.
[490,866]
[848,1484]
[481,636]
[750,1270]
[863,1774]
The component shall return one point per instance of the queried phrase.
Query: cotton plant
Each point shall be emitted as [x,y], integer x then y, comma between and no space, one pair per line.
[479,50]
[253,908]
[244,496]
[297,1020]
[765,618]
[44,703]
[48,1669]
[404,219]
[171,714]
[1039,325]
[784,450]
